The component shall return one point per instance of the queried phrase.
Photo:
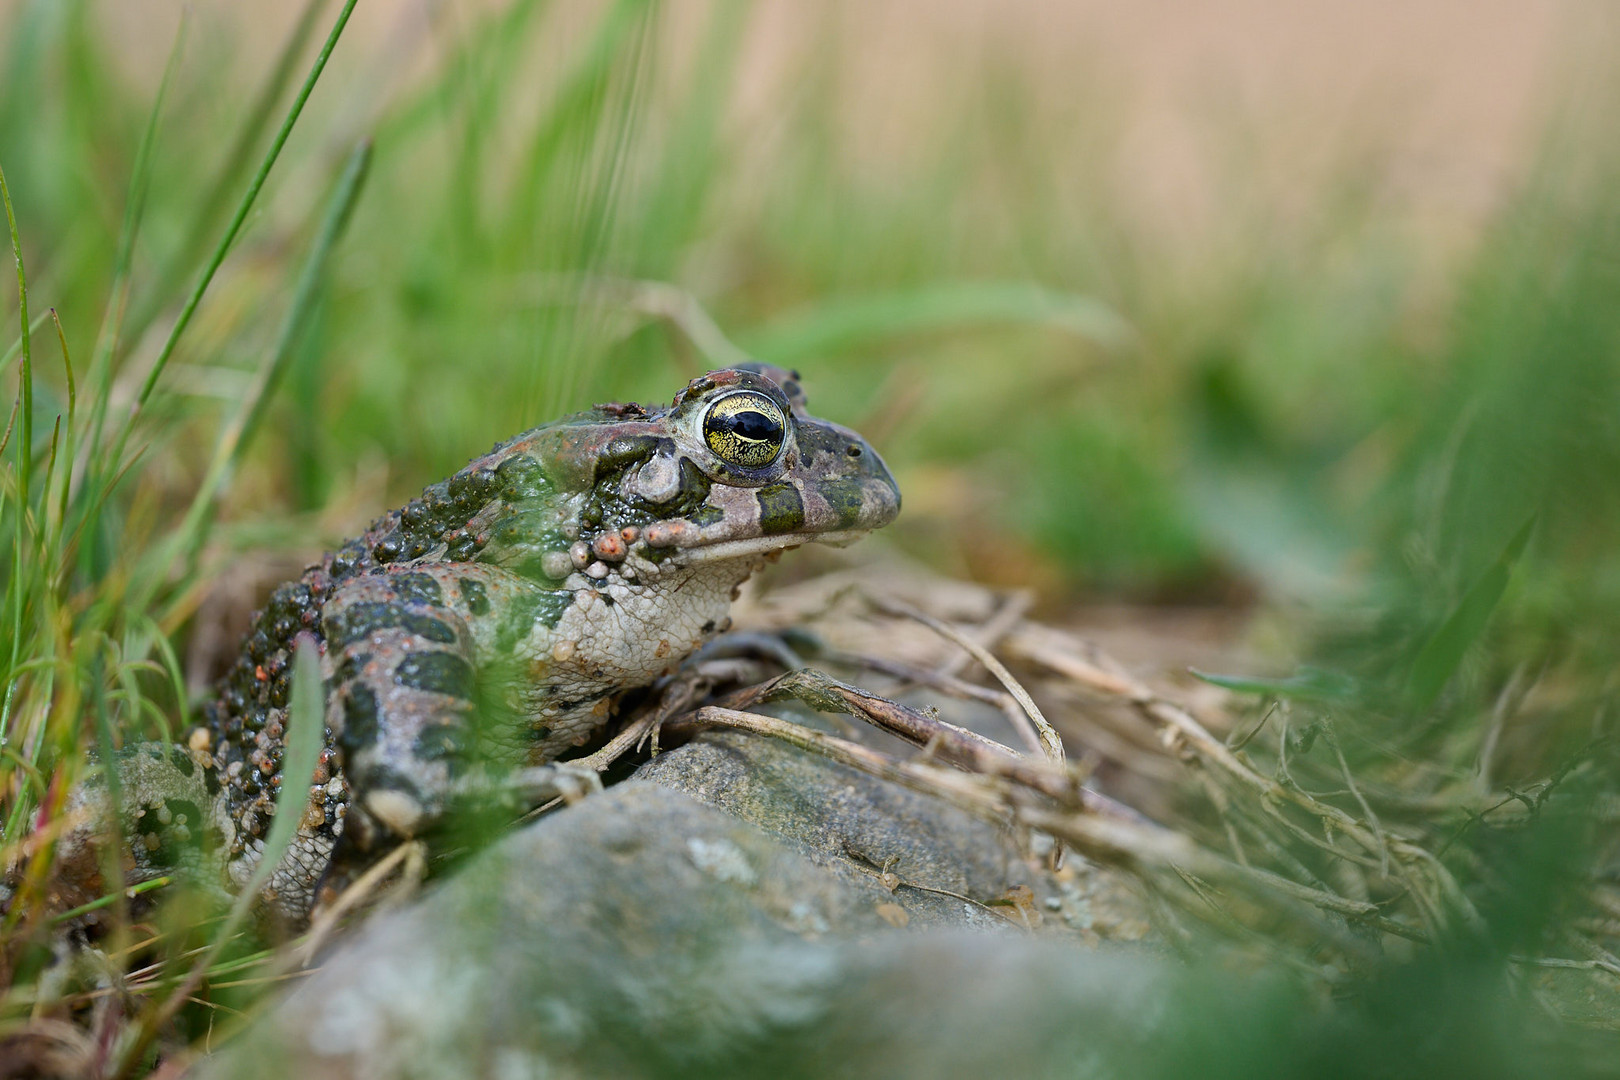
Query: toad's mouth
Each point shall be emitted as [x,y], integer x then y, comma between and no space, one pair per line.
[761,545]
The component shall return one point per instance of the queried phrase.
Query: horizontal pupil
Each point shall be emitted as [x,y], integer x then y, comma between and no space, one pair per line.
[753,425]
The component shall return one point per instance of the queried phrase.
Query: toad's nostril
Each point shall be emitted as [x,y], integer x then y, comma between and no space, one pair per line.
[854,450]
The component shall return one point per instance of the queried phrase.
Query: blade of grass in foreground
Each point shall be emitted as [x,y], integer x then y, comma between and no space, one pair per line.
[305,734]
[98,377]
[1306,684]
[111,854]
[238,434]
[249,197]
[85,498]
[16,346]
[25,455]
[206,218]
[1444,651]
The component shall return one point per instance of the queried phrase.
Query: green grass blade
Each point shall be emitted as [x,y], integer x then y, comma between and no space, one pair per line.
[203,222]
[1443,652]
[25,446]
[308,291]
[25,457]
[249,197]
[71,430]
[238,435]
[98,376]
[841,325]
[1306,684]
[11,423]
[306,719]
[171,667]
[111,898]
[106,740]
[16,346]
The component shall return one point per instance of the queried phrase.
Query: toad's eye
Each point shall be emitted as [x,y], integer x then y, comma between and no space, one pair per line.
[745,429]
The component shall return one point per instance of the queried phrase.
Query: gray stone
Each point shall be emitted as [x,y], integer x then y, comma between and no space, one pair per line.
[723,911]
[852,824]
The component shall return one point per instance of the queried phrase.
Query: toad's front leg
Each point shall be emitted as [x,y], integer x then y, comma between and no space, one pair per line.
[404,700]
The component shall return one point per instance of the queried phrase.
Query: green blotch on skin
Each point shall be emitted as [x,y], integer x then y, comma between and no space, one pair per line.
[706,515]
[354,622]
[518,618]
[549,607]
[419,588]
[522,477]
[438,672]
[845,497]
[694,489]
[361,719]
[623,452]
[475,596]
[781,510]
[544,606]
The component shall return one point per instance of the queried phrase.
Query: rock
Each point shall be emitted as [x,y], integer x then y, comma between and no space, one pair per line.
[851,824]
[723,908]
[858,827]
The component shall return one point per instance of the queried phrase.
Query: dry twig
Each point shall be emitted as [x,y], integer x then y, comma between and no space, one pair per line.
[1043,739]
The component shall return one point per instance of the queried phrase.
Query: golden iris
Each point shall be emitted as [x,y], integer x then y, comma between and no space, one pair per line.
[745,429]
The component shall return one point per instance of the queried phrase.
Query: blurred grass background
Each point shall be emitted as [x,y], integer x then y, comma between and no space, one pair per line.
[941,258]
[1313,316]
